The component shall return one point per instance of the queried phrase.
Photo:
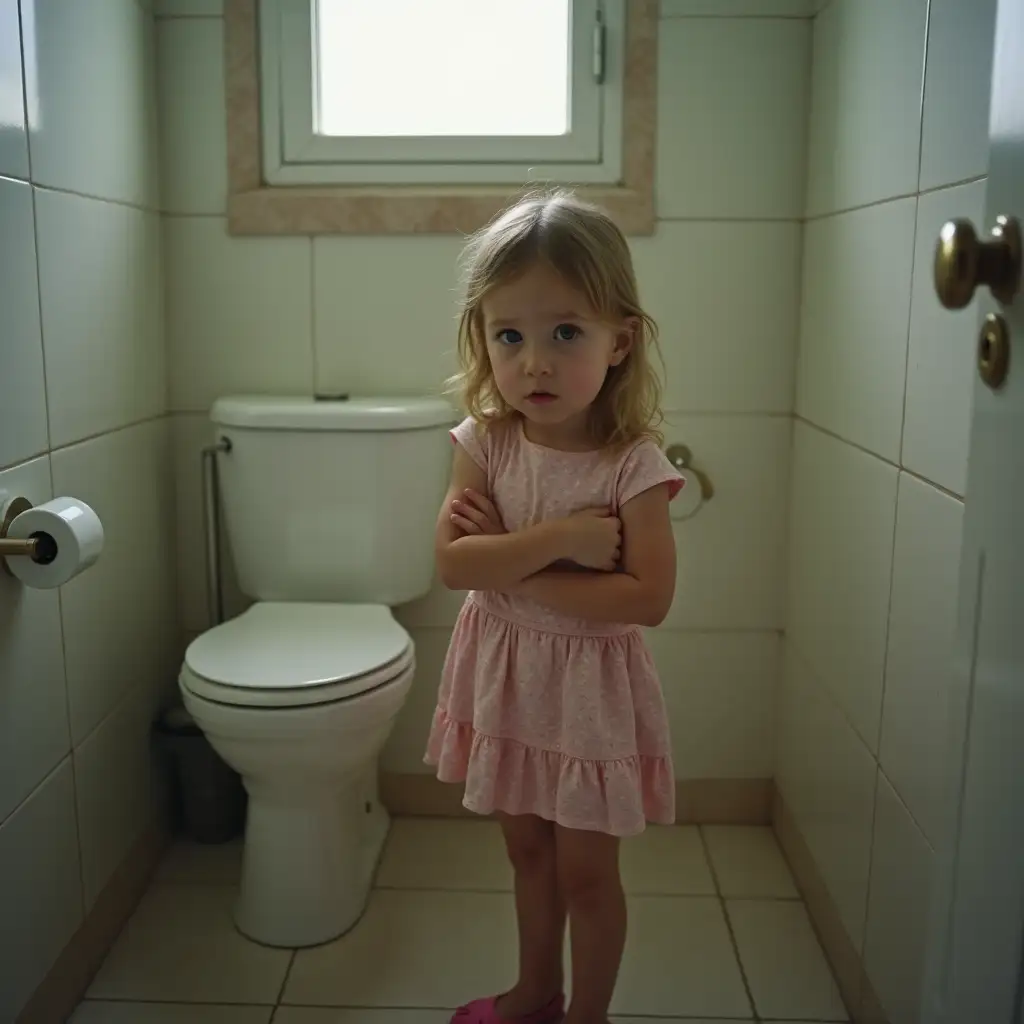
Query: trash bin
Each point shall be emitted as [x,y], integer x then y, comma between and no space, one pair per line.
[211,798]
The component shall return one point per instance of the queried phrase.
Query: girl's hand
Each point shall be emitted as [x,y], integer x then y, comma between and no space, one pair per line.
[475,514]
[594,538]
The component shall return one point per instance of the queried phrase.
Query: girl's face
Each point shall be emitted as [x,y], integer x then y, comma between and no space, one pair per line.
[550,351]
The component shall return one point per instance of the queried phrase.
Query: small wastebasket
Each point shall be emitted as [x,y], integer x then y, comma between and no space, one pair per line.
[211,797]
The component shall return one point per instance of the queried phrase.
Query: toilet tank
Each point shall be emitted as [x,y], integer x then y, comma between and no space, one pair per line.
[333,500]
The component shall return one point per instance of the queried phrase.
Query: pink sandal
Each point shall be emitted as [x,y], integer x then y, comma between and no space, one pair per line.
[484,1011]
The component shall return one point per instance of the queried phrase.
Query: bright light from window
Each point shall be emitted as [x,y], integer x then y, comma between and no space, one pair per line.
[443,67]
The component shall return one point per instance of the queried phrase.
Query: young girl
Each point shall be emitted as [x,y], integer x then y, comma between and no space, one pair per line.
[557,521]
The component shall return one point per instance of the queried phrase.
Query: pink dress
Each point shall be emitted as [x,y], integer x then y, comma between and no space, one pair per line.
[542,713]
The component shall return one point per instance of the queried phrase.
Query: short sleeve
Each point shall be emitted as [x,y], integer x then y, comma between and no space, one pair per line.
[474,439]
[645,467]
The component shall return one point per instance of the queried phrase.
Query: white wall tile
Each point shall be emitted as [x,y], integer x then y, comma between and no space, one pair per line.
[737,8]
[385,313]
[731,555]
[89,131]
[189,8]
[193,121]
[922,627]
[403,752]
[897,928]
[851,369]
[33,698]
[120,619]
[954,136]
[721,691]
[865,102]
[191,433]
[438,609]
[734,96]
[726,298]
[827,777]
[13,136]
[840,565]
[239,314]
[42,888]
[99,277]
[116,789]
[941,363]
[23,428]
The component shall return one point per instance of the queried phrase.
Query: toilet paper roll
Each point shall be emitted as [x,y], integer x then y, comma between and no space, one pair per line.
[689,499]
[72,536]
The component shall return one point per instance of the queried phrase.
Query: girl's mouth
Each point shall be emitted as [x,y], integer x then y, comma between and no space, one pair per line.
[540,397]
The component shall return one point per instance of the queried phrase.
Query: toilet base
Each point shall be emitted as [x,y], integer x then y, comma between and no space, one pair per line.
[308,865]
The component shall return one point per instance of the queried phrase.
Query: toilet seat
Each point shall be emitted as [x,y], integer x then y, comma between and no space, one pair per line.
[290,655]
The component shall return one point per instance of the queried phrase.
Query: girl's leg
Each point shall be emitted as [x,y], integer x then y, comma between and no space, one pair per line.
[530,842]
[588,877]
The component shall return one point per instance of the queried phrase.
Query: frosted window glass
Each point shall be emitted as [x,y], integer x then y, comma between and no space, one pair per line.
[443,67]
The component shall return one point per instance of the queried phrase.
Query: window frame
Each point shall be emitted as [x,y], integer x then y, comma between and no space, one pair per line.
[258,206]
[294,155]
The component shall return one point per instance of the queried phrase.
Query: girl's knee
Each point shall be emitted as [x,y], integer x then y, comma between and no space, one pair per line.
[530,843]
[588,867]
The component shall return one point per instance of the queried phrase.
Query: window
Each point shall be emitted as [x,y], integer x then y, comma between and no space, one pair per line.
[441,92]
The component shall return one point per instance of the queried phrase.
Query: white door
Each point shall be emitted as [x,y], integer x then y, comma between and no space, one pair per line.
[974,969]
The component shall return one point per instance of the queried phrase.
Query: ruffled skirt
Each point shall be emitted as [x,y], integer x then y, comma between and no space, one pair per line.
[568,727]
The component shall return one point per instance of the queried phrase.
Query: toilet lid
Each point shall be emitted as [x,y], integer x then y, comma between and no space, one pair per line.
[297,654]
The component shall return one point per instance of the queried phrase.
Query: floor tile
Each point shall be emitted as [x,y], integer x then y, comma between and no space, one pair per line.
[785,966]
[413,949]
[668,862]
[748,862]
[683,1020]
[181,945]
[679,961]
[93,1012]
[317,1015]
[431,853]
[202,864]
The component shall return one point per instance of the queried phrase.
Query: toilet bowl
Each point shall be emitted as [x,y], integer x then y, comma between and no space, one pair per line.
[299,698]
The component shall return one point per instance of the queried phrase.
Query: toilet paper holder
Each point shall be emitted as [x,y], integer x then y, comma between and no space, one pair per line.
[41,548]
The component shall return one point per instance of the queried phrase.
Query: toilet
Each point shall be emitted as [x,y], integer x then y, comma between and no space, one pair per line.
[329,509]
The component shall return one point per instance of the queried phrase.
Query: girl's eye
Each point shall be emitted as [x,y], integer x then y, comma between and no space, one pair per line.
[567,332]
[509,336]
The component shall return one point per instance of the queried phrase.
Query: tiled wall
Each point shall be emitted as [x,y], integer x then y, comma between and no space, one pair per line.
[375,315]
[898,144]
[82,412]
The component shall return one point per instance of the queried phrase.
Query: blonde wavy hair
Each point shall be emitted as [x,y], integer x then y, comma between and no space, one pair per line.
[581,243]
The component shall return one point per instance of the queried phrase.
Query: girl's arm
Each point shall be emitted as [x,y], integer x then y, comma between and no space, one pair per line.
[489,561]
[642,594]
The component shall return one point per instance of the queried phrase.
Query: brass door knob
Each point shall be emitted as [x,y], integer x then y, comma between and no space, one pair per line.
[963,262]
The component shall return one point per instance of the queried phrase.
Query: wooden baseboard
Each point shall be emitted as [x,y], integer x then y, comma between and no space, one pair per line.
[862,1003]
[698,801]
[69,978]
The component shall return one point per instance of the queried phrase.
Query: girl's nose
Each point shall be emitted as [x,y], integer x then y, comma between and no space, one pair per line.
[535,361]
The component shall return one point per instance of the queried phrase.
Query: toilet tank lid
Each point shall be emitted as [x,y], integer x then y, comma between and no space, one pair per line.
[264,412]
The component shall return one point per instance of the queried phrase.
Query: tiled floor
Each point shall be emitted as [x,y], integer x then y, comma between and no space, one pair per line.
[717,932]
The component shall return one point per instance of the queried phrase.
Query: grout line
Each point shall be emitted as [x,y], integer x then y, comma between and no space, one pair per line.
[155,418]
[82,893]
[739,17]
[314,347]
[728,924]
[125,203]
[880,458]
[285,979]
[903,418]
[857,208]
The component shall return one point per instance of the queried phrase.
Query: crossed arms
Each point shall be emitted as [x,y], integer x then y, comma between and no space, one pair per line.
[475,552]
